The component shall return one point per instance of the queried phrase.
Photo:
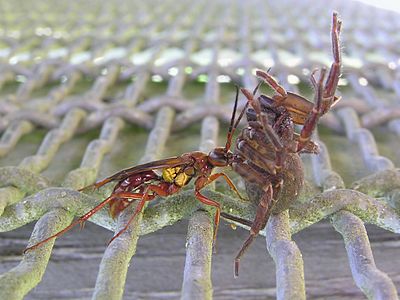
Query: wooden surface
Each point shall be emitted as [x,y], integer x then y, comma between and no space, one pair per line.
[157,269]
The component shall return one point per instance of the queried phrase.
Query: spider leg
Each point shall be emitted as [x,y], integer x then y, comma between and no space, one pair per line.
[329,98]
[247,171]
[316,112]
[262,117]
[246,149]
[272,83]
[280,149]
[309,147]
[262,215]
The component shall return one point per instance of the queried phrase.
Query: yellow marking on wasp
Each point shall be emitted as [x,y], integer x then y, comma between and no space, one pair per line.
[169,174]
[181,179]
[175,175]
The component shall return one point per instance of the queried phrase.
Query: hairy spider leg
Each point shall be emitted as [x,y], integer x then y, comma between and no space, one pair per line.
[315,114]
[272,83]
[262,214]
[274,138]
[334,72]
[247,149]
[266,201]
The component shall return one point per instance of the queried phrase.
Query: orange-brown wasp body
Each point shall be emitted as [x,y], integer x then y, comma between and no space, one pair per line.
[142,183]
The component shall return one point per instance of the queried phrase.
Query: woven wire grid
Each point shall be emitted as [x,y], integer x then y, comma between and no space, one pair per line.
[93,70]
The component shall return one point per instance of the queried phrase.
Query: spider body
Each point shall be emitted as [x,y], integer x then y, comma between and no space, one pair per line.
[259,167]
[268,149]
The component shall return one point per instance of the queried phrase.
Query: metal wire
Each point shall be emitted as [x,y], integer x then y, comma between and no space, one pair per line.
[62,76]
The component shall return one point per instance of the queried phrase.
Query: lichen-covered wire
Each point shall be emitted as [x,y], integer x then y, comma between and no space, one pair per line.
[114,265]
[111,277]
[365,141]
[48,226]
[35,164]
[18,281]
[197,272]
[12,135]
[287,256]
[374,283]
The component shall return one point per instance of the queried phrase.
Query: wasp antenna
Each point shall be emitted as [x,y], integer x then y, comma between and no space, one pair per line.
[241,115]
[232,128]
[257,87]
[245,107]
[232,125]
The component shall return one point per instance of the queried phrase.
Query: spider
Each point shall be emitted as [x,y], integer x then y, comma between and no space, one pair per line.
[268,149]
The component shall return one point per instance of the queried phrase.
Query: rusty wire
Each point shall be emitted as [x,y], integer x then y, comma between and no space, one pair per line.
[102,45]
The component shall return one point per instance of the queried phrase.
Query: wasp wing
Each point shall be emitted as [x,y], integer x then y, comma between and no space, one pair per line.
[153,165]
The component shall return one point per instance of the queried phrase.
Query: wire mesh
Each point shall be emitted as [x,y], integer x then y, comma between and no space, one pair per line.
[98,70]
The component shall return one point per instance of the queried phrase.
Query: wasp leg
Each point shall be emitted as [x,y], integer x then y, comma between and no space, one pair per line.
[228,181]
[95,186]
[200,183]
[236,219]
[80,221]
[144,197]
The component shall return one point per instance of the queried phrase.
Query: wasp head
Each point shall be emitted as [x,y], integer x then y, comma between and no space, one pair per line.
[220,157]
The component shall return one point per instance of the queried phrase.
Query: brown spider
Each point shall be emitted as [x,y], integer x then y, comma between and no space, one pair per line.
[268,149]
